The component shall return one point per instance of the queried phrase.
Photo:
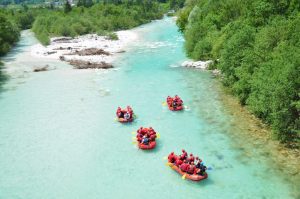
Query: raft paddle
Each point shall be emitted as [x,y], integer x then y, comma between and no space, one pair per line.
[183,177]
[169,164]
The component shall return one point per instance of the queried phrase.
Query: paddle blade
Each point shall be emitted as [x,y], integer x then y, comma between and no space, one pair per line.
[116,119]
[133,132]
[134,138]
[165,157]
[169,164]
[183,177]
[164,103]
[157,135]
[134,142]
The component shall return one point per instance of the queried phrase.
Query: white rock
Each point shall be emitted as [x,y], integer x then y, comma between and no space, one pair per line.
[65,45]
[216,72]
[197,64]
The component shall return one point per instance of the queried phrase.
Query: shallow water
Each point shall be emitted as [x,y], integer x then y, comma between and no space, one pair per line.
[59,139]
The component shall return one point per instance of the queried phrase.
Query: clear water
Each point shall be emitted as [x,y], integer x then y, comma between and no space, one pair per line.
[58,137]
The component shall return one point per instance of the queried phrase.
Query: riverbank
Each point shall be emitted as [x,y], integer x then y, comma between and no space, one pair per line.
[86,51]
[249,135]
[254,138]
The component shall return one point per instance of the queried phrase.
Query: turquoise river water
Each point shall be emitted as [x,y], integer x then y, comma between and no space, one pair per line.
[59,139]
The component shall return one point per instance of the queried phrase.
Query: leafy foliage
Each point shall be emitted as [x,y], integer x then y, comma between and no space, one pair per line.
[257,45]
[9,34]
[97,18]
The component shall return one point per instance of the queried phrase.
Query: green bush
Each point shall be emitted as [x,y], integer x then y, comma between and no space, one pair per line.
[112,36]
[257,44]
[99,18]
[9,34]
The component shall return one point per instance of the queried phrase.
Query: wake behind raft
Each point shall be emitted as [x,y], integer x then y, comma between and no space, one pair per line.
[125,115]
[146,138]
[190,167]
[175,103]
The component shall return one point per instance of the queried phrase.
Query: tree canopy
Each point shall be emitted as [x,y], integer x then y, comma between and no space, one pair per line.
[256,45]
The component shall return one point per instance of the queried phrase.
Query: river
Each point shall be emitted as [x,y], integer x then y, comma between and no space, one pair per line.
[59,139]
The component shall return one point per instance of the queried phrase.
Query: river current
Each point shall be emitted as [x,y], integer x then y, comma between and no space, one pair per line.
[59,137]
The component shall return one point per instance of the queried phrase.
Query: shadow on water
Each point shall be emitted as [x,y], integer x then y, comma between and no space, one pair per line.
[11,56]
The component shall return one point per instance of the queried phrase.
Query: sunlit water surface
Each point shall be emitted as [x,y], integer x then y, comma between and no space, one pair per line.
[59,139]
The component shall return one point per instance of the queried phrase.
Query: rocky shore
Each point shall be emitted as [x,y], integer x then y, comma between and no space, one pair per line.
[203,65]
[87,51]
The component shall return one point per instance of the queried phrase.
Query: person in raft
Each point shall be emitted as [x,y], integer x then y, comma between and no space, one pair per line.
[191,165]
[126,114]
[174,102]
[145,140]
[145,135]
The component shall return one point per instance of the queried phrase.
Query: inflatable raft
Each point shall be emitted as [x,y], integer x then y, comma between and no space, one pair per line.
[123,120]
[178,108]
[193,177]
[149,146]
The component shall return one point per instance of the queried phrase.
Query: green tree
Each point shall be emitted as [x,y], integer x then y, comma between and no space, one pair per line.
[9,34]
[256,46]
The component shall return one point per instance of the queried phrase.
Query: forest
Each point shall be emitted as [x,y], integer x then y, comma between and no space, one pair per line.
[85,17]
[256,45]
[98,18]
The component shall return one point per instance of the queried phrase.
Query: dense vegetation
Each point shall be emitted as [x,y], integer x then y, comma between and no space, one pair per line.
[256,45]
[9,34]
[99,18]
[12,21]
[86,17]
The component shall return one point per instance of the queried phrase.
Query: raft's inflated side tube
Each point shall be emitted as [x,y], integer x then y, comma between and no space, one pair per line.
[151,145]
[194,177]
[123,120]
[178,108]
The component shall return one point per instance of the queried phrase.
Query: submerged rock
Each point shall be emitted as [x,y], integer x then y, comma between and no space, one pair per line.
[43,68]
[80,64]
[197,64]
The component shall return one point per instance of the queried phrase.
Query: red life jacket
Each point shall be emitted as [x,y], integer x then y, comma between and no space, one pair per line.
[184,167]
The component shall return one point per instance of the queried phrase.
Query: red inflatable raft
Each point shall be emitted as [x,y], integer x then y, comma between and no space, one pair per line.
[178,108]
[193,177]
[123,120]
[121,114]
[149,146]
[177,101]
